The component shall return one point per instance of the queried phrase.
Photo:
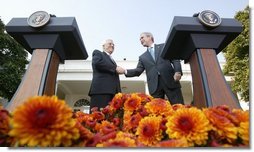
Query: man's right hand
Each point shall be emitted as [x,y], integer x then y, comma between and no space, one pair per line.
[120,70]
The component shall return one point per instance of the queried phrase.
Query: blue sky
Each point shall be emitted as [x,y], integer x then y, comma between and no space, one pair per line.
[120,20]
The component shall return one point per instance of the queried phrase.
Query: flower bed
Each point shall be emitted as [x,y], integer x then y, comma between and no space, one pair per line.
[130,120]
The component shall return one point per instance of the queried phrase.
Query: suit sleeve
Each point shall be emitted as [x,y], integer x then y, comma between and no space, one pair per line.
[137,71]
[101,64]
[177,66]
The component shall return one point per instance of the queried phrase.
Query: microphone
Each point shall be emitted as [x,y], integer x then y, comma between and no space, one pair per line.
[195,14]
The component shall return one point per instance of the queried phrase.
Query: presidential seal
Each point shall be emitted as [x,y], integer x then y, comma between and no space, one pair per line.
[38,19]
[209,18]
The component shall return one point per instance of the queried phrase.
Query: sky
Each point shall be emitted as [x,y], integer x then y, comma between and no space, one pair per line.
[120,20]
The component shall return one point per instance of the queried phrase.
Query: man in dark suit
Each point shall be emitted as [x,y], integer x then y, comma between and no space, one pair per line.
[162,75]
[105,83]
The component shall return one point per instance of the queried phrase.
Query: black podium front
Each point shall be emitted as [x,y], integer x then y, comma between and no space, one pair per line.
[198,45]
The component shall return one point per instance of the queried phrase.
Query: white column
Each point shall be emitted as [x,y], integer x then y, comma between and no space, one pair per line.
[146,87]
[192,91]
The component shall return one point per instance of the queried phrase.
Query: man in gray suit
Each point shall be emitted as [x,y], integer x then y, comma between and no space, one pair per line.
[162,75]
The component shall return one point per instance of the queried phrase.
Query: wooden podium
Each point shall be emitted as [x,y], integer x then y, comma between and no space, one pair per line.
[49,45]
[191,41]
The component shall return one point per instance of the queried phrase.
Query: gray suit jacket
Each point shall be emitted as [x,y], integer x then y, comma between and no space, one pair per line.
[165,68]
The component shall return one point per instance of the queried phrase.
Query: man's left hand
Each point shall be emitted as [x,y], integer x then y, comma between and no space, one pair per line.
[177,76]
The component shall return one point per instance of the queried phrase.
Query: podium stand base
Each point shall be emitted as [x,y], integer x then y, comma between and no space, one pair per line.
[209,85]
[39,79]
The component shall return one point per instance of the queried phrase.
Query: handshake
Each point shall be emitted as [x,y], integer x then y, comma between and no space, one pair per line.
[120,70]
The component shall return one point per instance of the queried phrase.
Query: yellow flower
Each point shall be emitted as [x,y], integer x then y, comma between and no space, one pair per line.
[148,131]
[188,123]
[44,121]
[244,132]
[243,127]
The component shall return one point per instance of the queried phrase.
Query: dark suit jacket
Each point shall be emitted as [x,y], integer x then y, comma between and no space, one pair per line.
[105,78]
[165,68]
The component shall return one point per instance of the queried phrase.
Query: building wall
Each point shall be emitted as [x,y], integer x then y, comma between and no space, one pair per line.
[74,79]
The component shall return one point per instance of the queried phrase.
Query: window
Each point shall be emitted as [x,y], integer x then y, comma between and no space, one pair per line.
[82,102]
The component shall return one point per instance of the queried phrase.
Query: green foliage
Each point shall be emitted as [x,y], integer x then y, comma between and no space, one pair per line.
[237,57]
[12,63]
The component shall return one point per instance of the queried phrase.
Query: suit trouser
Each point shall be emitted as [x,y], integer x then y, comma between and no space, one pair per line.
[174,94]
[100,100]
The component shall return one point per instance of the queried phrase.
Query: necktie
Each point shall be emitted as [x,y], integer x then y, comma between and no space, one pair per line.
[112,59]
[151,50]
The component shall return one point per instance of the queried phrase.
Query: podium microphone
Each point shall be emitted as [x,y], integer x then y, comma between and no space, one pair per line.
[195,15]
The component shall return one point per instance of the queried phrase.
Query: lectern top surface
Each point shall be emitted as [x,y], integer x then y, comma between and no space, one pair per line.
[187,34]
[60,34]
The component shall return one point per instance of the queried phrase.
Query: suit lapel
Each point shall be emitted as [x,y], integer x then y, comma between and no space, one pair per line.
[157,51]
[107,56]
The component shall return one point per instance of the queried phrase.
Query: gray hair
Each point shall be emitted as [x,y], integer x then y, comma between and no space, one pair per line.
[105,41]
[148,34]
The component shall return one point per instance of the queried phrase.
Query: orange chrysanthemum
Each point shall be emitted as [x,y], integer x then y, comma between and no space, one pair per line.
[135,119]
[132,103]
[148,131]
[97,115]
[188,123]
[121,134]
[225,111]
[85,134]
[221,124]
[144,97]
[118,143]
[121,140]
[44,121]
[126,121]
[241,116]
[173,143]
[159,107]
[105,127]
[5,139]
[180,106]
[131,121]
[4,122]
[117,102]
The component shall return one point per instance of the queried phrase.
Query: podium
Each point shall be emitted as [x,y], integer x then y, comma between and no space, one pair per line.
[49,45]
[198,45]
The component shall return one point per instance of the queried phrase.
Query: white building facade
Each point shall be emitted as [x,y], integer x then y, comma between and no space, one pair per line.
[74,80]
